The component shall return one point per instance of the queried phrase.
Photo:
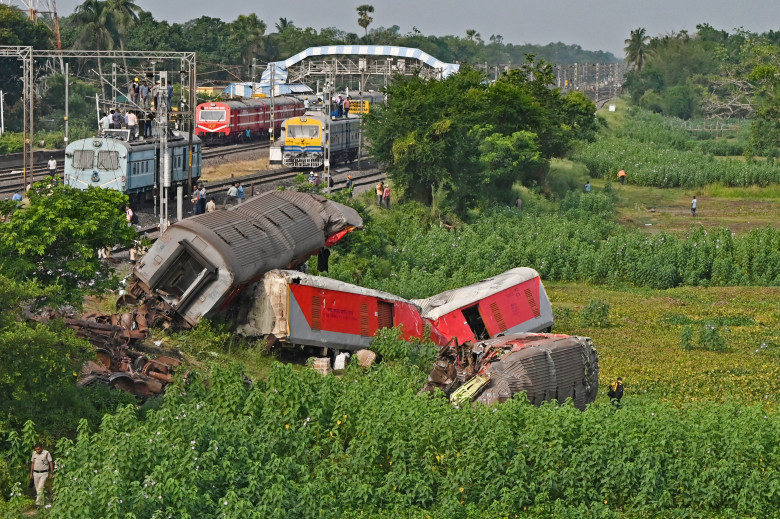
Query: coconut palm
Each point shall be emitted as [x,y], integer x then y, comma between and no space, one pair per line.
[636,49]
[284,24]
[122,14]
[364,19]
[247,33]
[93,19]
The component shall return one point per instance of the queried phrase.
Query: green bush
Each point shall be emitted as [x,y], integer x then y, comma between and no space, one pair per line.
[595,314]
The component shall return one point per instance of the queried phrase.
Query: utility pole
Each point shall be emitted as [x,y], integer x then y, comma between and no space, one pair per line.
[165,159]
[254,67]
[113,83]
[67,80]
[272,92]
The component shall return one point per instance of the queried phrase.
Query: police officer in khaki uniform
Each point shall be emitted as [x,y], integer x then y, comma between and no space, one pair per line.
[40,468]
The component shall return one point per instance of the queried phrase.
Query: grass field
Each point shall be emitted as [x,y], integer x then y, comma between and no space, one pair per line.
[642,341]
[656,209]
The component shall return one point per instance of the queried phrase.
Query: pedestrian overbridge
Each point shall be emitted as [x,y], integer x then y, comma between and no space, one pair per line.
[355,66]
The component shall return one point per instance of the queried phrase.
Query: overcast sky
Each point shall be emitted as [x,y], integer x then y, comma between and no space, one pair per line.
[592,24]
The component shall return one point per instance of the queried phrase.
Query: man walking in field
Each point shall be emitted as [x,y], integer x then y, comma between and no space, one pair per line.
[693,206]
[41,466]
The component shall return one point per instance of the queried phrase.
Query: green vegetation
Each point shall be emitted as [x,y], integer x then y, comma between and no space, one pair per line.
[470,141]
[54,240]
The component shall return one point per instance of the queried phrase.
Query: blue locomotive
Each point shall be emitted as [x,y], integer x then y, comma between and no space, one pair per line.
[112,161]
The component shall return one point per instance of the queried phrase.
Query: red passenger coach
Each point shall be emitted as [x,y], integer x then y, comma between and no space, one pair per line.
[299,309]
[246,119]
[512,302]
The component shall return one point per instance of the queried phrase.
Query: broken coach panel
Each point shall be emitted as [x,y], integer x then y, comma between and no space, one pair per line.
[512,302]
[298,309]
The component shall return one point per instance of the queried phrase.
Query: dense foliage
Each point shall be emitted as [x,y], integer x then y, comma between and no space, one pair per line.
[581,242]
[656,151]
[303,445]
[473,140]
[54,240]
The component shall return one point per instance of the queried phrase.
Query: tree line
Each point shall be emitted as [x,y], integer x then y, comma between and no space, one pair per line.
[710,74]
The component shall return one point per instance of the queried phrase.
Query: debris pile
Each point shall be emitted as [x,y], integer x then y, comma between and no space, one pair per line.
[117,364]
[544,366]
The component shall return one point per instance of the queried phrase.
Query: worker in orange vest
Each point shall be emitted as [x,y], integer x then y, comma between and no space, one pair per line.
[622,176]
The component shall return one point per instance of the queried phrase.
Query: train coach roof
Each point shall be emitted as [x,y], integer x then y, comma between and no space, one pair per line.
[238,104]
[294,277]
[441,304]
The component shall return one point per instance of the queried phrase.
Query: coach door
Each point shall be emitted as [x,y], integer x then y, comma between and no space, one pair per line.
[384,314]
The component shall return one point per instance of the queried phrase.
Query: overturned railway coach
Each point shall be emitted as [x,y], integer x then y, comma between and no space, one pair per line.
[295,309]
[198,265]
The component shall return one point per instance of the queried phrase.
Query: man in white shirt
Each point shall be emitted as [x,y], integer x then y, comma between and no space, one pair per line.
[231,196]
[52,166]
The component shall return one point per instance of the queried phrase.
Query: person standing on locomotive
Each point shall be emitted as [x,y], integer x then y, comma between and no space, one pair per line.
[346,107]
[135,89]
[145,95]
[132,124]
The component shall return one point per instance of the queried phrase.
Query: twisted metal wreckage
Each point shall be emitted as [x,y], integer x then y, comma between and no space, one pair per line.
[195,270]
[227,263]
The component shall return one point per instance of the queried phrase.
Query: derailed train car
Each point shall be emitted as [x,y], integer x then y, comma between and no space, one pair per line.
[198,265]
[511,302]
[295,309]
[545,366]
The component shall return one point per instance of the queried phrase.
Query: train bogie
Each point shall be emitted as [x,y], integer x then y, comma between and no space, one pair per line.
[112,161]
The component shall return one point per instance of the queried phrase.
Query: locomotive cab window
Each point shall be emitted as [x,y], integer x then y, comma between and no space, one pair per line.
[83,159]
[299,131]
[212,115]
[108,160]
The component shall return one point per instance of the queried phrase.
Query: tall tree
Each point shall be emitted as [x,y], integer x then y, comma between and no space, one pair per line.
[122,14]
[364,17]
[284,24]
[247,33]
[93,18]
[636,48]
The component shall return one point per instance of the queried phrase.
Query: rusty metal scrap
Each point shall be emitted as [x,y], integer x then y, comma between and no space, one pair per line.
[118,365]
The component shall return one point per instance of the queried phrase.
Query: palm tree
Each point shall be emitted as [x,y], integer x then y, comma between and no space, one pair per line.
[248,32]
[636,48]
[473,35]
[92,18]
[284,24]
[122,14]
[364,20]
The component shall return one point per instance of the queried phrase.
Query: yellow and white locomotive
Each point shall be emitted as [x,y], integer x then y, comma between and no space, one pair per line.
[307,140]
